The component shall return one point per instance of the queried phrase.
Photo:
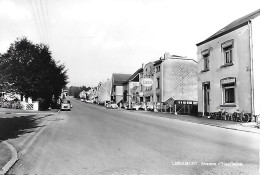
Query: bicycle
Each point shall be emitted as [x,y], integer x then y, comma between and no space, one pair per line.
[241,116]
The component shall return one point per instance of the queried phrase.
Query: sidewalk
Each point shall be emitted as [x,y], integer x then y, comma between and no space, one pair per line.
[5,155]
[246,127]
[14,122]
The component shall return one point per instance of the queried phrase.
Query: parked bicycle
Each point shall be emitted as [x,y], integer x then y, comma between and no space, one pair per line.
[241,116]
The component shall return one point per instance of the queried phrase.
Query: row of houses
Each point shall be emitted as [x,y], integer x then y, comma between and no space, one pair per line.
[224,77]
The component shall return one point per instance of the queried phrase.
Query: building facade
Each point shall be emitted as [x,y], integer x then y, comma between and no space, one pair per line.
[227,68]
[130,88]
[118,86]
[174,77]
[104,92]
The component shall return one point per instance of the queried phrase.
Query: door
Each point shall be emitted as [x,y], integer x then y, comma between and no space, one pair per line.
[206,98]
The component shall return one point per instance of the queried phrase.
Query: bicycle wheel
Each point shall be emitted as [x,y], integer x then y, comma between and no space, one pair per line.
[234,116]
[245,118]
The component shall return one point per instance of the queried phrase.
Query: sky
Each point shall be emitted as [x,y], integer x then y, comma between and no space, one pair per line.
[95,38]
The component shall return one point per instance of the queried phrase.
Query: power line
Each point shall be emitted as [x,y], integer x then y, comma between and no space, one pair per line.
[48,22]
[44,24]
[35,19]
[40,19]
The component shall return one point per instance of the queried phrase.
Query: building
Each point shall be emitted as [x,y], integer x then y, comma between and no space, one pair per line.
[130,87]
[83,94]
[227,68]
[117,86]
[173,77]
[104,92]
[148,91]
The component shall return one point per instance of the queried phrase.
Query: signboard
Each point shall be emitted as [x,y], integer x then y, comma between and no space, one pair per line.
[228,80]
[147,82]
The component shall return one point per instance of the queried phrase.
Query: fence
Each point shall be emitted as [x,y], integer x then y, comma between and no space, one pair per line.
[34,106]
[183,107]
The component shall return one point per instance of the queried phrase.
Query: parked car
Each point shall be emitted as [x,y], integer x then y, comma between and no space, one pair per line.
[89,101]
[111,105]
[136,106]
[143,106]
[149,106]
[66,105]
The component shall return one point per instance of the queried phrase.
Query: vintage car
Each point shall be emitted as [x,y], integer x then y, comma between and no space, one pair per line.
[149,106]
[111,105]
[137,106]
[65,105]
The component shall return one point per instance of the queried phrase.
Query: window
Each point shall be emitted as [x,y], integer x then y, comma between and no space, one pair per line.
[158,69]
[206,62]
[205,55]
[158,98]
[228,55]
[158,83]
[228,90]
[147,99]
[227,48]
[229,93]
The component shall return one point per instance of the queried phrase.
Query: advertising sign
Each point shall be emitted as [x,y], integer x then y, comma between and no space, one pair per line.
[147,82]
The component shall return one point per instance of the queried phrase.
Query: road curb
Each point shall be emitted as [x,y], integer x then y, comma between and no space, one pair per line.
[12,161]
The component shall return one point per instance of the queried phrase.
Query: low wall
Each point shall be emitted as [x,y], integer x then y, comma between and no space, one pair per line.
[34,106]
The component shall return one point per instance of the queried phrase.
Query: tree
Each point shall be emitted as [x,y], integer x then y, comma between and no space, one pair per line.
[32,71]
[75,90]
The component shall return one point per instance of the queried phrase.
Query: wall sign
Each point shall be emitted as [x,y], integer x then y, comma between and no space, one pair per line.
[147,82]
[228,80]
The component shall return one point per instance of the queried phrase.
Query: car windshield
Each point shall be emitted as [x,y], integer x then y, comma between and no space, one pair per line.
[66,101]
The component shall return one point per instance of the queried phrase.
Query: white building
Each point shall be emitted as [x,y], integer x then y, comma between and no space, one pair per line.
[227,68]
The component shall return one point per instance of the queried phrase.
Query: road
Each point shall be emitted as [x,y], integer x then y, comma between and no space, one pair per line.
[91,139]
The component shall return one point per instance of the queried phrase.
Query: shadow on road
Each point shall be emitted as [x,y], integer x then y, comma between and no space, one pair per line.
[15,126]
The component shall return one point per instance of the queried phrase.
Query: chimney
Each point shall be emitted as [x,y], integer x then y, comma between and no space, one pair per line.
[167,55]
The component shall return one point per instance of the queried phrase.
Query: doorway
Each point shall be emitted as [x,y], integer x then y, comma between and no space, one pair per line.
[206,99]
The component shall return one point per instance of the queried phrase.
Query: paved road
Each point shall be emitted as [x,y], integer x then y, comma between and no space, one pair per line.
[93,140]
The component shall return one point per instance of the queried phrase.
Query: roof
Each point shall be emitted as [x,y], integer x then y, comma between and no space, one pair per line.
[233,26]
[119,79]
[135,74]
[157,62]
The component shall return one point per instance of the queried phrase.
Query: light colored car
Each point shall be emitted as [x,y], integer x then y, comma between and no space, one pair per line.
[65,105]
[111,105]
[143,106]
[149,106]
[136,106]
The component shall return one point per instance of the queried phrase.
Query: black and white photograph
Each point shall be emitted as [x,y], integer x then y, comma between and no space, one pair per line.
[129,87]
